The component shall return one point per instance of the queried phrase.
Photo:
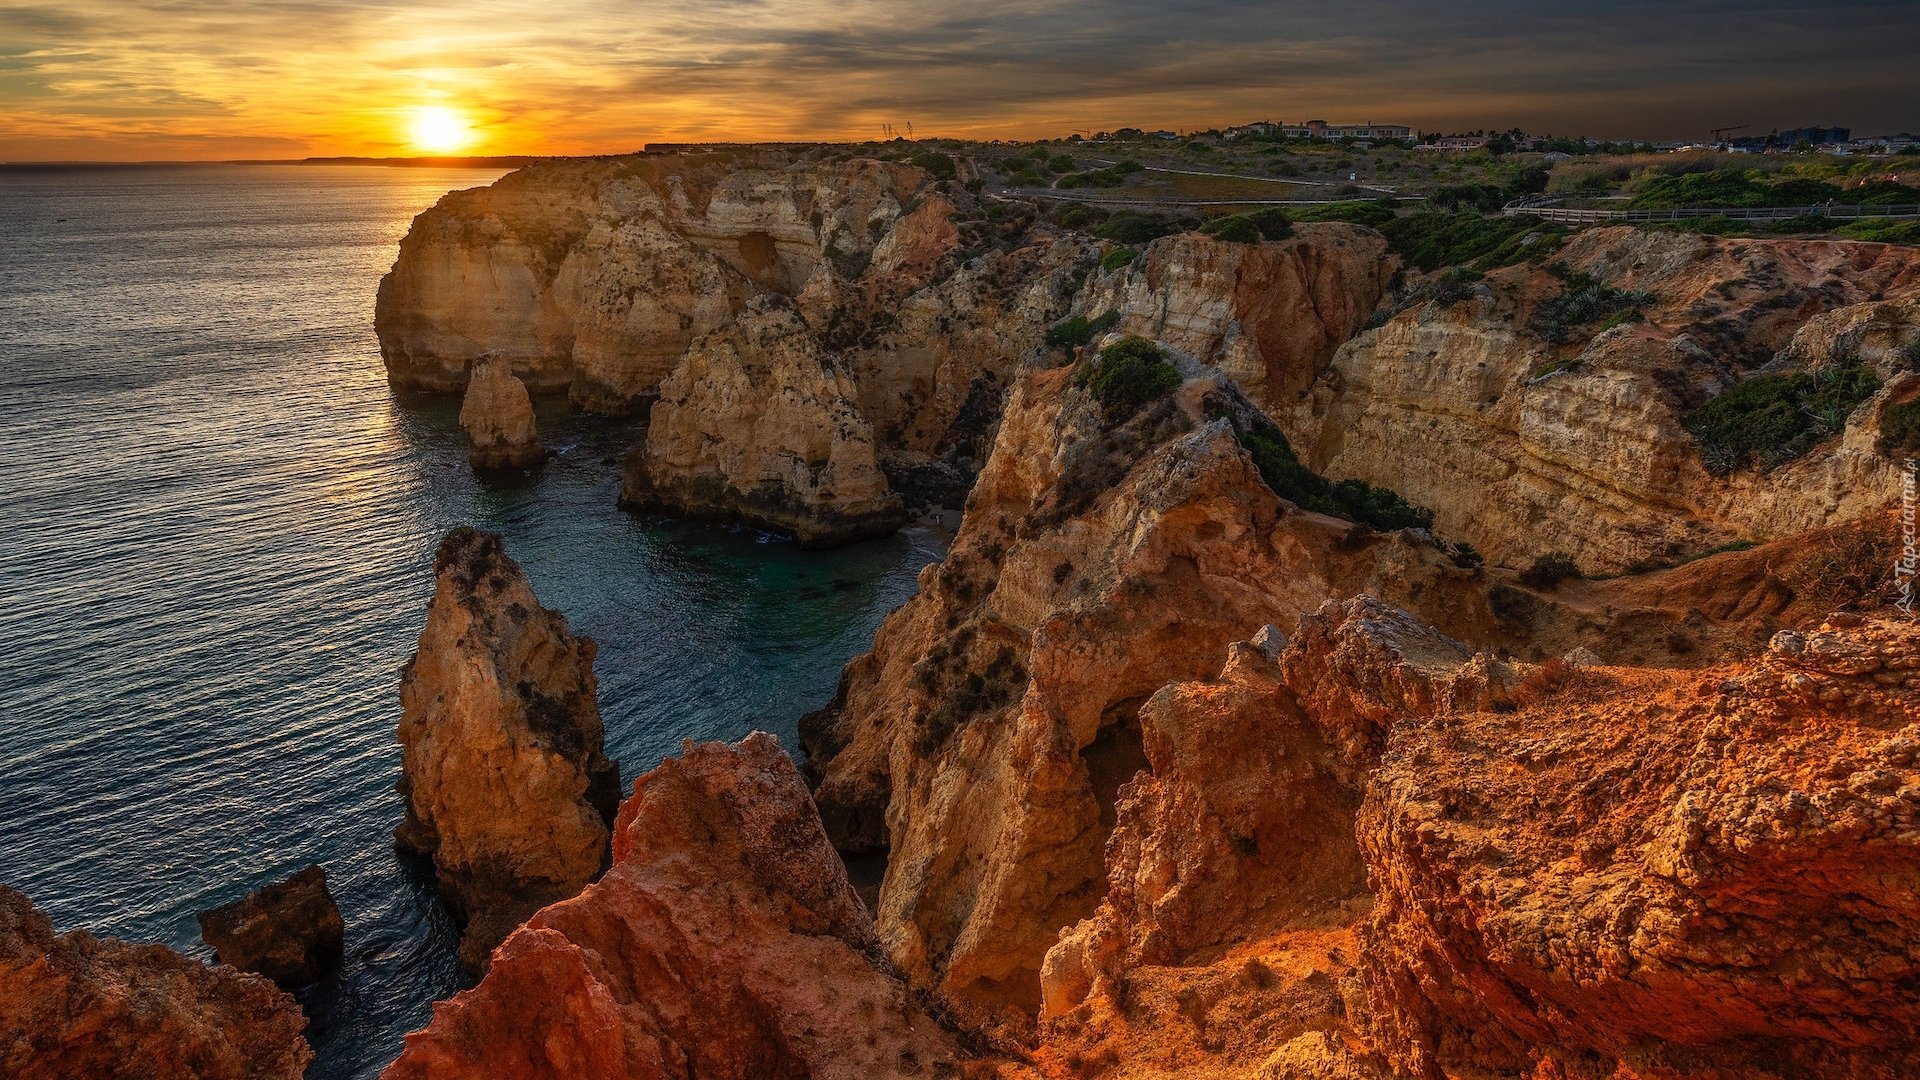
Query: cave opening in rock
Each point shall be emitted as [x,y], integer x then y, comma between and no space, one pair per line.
[1113,757]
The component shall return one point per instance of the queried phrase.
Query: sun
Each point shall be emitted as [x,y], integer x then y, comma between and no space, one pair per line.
[440,130]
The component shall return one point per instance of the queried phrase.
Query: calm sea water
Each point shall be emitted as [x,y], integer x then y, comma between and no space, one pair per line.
[216,533]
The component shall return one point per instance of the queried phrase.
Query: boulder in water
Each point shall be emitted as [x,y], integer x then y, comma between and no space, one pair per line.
[289,931]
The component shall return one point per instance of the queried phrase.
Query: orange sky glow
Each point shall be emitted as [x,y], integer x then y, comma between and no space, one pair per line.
[168,79]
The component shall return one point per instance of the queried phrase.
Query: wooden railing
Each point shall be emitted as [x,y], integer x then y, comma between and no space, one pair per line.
[1543,208]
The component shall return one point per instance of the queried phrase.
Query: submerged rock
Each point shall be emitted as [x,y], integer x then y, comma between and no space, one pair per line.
[498,415]
[80,1006]
[289,931]
[724,942]
[506,785]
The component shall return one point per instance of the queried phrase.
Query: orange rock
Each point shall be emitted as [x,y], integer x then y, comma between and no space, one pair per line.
[506,785]
[80,1006]
[725,942]
[1657,874]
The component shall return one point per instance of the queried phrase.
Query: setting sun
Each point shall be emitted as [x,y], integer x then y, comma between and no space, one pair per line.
[440,130]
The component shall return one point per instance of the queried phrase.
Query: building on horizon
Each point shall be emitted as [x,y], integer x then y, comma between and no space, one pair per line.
[1320,129]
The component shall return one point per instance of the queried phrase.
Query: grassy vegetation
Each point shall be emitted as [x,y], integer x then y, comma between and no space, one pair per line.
[1130,227]
[939,164]
[1433,240]
[1776,418]
[1117,258]
[1128,374]
[1351,500]
[1583,301]
[1080,330]
[1736,187]
[1882,231]
[1372,213]
[1900,428]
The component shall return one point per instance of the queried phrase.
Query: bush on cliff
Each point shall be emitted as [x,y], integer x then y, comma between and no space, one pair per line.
[1776,418]
[1131,227]
[1235,229]
[1128,374]
[1080,330]
[1583,301]
[937,163]
[1350,500]
[1549,570]
[1430,241]
[1900,428]
[1117,258]
[1273,223]
[1372,214]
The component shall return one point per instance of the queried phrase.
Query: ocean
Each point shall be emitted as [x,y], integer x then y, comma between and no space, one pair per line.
[216,536]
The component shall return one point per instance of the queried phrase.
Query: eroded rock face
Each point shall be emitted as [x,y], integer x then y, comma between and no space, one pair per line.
[1268,315]
[1513,439]
[498,415]
[595,276]
[984,738]
[725,942]
[1660,874]
[506,785]
[80,1006]
[289,931]
[759,424]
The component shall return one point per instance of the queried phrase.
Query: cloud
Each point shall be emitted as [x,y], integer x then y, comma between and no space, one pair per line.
[573,76]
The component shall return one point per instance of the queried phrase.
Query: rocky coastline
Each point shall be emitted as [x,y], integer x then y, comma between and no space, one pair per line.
[1338,672]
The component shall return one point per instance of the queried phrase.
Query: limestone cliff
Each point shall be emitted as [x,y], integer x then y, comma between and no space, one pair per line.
[1523,445]
[983,739]
[725,942]
[506,786]
[80,1006]
[1268,315]
[594,276]
[758,424]
[498,415]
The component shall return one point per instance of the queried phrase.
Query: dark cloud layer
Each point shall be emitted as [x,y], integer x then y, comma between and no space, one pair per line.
[100,78]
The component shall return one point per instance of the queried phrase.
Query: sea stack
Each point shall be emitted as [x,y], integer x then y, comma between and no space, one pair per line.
[77,1005]
[498,415]
[289,931]
[724,942]
[506,785]
[760,424]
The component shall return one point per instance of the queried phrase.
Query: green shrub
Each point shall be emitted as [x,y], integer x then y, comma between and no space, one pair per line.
[1371,214]
[935,162]
[1015,164]
[1273,222]
[1776,418]
[1129,373]
[1026,178]
[1549,570]
[1061,163]
[1882,231]
[1463,555]
[1433,240]
[1351,500]
[1117,258]
[1132,227]
[1079,217]
[1900,427]
[1080,330]
[1622,318]
[1235,229]
[1583,301]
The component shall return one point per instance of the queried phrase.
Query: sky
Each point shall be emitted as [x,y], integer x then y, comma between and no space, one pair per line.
[221,79]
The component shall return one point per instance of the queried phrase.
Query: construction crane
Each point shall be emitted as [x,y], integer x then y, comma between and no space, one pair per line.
[1720,133]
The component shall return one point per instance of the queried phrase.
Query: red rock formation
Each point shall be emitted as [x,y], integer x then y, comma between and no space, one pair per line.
[1657,874]
[724,943]
[506,785]
[79,1006]
[982,740]
[290,931]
